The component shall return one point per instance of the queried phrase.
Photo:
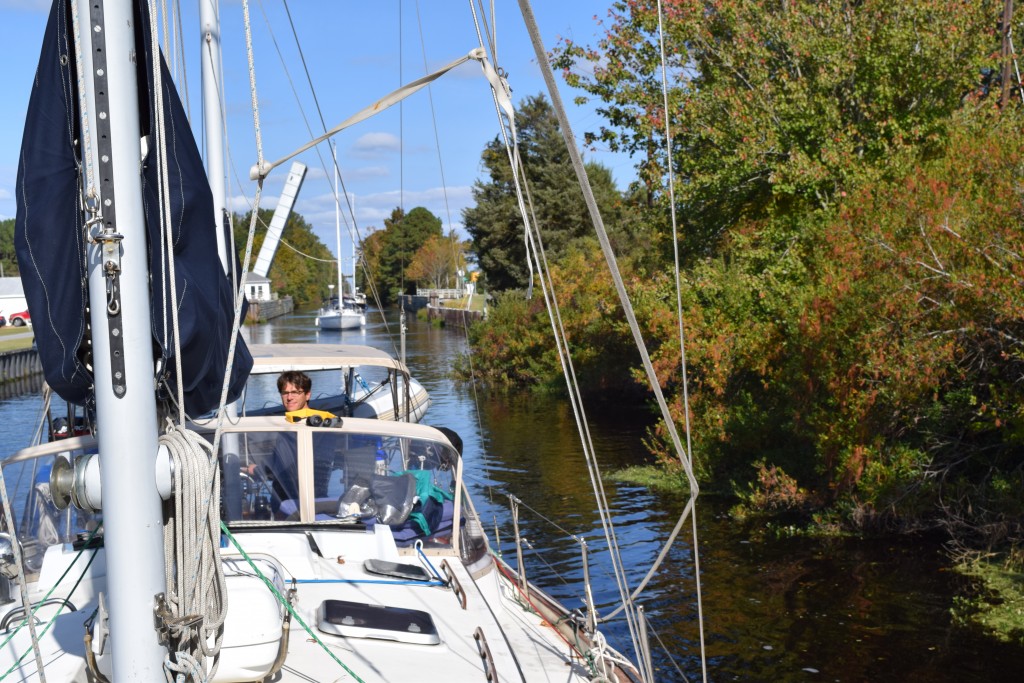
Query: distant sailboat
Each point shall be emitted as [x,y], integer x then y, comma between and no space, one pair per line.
[336,315]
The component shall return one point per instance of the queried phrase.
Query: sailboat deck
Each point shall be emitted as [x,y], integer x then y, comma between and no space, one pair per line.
[331,568]
[389,602]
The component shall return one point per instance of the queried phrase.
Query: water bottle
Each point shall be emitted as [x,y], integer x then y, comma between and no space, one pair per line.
[381,465]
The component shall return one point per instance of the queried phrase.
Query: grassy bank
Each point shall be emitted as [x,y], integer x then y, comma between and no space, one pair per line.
[15,338]
[477,303]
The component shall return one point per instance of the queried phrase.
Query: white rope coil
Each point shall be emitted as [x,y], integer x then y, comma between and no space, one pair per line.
[193,569]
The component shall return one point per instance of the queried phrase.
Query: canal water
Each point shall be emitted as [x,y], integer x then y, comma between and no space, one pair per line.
[774,610]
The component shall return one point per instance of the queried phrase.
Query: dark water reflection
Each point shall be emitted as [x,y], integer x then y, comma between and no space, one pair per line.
[848,610]
[775,610]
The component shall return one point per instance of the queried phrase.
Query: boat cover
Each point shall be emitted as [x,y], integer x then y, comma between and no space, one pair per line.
[50,243]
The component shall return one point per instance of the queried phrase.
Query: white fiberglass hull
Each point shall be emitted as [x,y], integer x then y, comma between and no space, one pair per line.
[339,320]
[380,405]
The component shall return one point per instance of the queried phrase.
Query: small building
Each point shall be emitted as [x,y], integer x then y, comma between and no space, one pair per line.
[12,296]
[257,287]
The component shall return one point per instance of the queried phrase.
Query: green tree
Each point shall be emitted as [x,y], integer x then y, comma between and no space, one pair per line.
[495,224]
[513,349]
[8,261]
[779,107]
[403,235]
[302,267]
[369,262]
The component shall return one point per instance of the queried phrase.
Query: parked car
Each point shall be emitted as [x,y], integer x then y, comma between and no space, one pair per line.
[20,319]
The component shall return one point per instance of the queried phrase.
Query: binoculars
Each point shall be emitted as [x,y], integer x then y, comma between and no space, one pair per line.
[317,421]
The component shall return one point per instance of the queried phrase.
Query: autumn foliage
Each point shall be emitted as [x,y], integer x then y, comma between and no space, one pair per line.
[849,191]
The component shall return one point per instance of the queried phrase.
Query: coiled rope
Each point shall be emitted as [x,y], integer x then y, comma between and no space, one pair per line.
[193,569]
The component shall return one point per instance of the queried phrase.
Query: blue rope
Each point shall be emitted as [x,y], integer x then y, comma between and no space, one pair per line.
[437,575]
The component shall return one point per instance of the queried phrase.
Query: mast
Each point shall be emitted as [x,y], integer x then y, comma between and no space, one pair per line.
[213,120]
[122,343]
[353,233]
[337,228]
[352,242]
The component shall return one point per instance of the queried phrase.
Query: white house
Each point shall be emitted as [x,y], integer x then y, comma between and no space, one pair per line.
[257,287]
[12,296]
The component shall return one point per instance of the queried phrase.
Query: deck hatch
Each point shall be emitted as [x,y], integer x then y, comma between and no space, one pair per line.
[409,572]
[360,620]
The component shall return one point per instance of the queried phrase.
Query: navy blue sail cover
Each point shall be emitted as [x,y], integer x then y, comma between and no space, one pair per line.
[50,239]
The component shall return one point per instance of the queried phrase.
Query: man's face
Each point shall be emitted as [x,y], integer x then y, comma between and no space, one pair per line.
[293,398]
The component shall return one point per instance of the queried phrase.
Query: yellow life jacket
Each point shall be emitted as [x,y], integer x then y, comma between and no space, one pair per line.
[303,413]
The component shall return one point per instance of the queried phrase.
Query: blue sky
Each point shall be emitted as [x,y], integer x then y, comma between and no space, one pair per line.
[352,51]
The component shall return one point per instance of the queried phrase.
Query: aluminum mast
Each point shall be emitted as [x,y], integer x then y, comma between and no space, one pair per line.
[122,343]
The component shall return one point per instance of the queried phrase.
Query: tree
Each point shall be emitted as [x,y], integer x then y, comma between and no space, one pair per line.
[402,237]
[495,224]
[302,267]
[782,106]
[852,221]
[8,261]
[437,262]
[369,263]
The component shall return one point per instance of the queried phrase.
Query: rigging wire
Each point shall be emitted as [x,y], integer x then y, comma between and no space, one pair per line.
[261,169]
[8,514]
[1016,65]
[456,252]
[352,227]
[304,255]
[30,615]
[401,172]
[401,134]
[502,96]
[682,346]
[167,260]
[534,245]
[609,257]
[232,166]
[181,71]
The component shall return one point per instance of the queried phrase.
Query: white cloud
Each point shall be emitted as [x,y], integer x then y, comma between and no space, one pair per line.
[364,173]
[374,144]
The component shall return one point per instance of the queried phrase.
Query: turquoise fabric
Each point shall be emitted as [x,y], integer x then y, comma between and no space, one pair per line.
[425,489]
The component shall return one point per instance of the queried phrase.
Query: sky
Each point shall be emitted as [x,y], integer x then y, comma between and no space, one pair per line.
[355,52]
